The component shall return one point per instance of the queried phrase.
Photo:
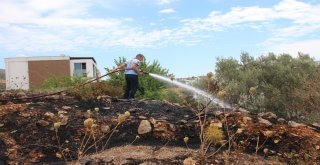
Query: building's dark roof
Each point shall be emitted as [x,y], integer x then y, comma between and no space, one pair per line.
[79,58]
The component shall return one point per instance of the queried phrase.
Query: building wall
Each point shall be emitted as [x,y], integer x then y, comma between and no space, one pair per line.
[90,66]
[31,72]
[17,76]
[40,71]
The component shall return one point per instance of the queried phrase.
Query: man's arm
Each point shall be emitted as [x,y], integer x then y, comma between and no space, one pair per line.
[135,68]
[119,67]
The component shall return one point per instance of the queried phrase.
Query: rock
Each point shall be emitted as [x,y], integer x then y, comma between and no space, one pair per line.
[316,125]
[160,127]
[43,123]
[107,108]
[1,125]
[217,113]
[265,150]
[264,121]
[176,104]
[163,118]
[62,112]
[142,117]
[243,110]
[281,120]
[268,115]
[239,130]
[152,121]
[276,141]
[246,119]
[183,121]
[53,97]
[172,127]
[271,115]
[49,115]
[144,127]
[219,124]
[66,107]
[21,94]
[132,110]
[189,161]
[64,120]
[186,116]
[295,124]
[268,133]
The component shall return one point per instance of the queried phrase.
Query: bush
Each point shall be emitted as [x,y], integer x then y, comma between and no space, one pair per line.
[57,82]
[74,87]
[273,77]
[93,90]
[173,95]
[307,101]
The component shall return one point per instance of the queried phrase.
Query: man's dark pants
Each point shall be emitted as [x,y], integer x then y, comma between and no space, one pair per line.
[131,86]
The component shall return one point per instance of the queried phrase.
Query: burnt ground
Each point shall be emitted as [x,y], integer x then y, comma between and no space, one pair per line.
[27,134]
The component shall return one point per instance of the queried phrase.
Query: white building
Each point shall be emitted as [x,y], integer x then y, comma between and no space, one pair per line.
[31,72]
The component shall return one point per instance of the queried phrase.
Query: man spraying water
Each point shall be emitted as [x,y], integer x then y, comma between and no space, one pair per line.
[131,71]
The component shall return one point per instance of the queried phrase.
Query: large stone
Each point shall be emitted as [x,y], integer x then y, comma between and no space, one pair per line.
[21,94]
[66,107]
[281,120]
[43,123]
[264,121]
[144,127]
[295,124]
[268,115]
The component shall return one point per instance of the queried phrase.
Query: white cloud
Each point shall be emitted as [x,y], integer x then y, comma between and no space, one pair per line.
[55,26]
[310,47]
[64,25]
[286,22]
[162,2]
[166,11]
[299,13]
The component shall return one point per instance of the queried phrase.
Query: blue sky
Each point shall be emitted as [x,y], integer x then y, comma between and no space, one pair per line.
[185,36]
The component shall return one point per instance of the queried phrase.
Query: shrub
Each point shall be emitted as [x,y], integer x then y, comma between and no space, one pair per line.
[59,82]
[307,101]
[273,77]
[93,90]
[173,95]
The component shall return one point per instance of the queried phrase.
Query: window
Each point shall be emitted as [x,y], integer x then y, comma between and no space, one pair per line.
[80,69]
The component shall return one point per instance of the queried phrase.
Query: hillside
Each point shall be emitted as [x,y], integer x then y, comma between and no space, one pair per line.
[59,128]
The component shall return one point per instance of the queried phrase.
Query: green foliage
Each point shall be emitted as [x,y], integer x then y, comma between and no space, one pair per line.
[85,92]
[275,78]
[307,100]
[173,95]
[93,90]
[57,82]
[208,84]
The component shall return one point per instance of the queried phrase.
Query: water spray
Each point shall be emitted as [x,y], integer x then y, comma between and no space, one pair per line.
[192,89]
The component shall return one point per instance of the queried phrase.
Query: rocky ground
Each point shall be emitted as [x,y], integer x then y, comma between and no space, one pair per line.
[60,129]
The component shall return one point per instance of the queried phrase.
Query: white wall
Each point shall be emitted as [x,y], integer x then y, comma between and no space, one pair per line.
[89,65]
[17,76]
